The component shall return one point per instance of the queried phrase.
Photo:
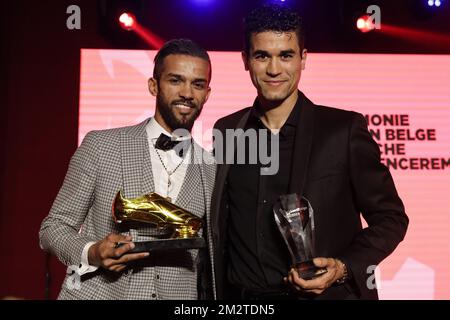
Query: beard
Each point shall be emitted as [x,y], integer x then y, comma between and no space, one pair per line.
[166,110]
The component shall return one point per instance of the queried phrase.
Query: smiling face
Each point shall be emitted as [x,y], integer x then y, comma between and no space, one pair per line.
[181,91]
[275,63]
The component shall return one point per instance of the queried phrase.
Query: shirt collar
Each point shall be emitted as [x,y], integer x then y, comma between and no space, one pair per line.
[292,120]
[154,130]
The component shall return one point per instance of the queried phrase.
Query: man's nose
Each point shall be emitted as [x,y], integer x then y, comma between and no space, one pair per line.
[186,91]
[273,68]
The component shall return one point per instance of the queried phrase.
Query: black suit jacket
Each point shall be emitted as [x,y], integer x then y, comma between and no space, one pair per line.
[337,167]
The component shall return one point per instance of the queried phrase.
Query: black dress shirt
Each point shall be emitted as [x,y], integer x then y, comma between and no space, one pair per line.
[258,256]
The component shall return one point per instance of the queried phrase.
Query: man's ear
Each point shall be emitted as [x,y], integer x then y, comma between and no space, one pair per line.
[304,55]
[153,86]
[244,59]
[207,95]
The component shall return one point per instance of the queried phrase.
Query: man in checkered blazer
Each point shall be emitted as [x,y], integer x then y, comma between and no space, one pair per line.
[138,160]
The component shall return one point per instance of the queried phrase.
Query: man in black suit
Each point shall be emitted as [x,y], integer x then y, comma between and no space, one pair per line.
[326,155]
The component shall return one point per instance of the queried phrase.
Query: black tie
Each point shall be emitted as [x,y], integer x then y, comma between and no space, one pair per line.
[165,143]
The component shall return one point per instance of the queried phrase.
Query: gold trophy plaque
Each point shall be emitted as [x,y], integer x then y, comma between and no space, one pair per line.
[157,211]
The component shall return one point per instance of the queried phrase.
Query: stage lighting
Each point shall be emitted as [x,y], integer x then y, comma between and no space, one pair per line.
[436,3]
[365,24]
[127,21]
[277,2]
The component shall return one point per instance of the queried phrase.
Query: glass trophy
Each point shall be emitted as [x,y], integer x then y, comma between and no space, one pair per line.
[294,216]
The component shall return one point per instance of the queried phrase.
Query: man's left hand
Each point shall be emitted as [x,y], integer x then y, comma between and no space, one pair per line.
[335,271]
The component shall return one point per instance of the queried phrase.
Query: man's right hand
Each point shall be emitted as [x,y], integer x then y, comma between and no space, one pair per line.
[105,254]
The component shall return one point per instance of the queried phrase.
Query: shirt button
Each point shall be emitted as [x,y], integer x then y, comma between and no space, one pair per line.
[264,201]
[157,276]
[153,295]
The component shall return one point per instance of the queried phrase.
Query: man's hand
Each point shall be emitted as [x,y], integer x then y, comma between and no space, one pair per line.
[335,271]
[105,254]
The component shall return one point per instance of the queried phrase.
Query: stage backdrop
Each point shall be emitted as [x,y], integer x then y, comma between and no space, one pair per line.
[406,99]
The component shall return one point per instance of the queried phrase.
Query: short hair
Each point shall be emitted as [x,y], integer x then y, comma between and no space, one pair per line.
[179,46]
[273,18]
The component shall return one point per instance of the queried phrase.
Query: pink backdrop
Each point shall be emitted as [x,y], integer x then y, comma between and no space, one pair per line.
[113,93]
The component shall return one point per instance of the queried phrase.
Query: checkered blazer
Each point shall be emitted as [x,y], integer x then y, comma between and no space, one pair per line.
[108,161]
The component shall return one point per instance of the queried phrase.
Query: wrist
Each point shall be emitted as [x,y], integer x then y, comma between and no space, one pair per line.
[93,256]
[345,274]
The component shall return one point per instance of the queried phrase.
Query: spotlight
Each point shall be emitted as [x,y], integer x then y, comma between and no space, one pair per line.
[276,2]
[365,24]
[436,3]
[127,21]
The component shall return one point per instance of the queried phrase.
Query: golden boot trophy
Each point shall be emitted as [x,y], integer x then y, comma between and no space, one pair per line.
[157,211]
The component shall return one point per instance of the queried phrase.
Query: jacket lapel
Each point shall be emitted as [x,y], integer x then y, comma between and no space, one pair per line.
[303,142]
[191,196]
[222,172]
[137,174]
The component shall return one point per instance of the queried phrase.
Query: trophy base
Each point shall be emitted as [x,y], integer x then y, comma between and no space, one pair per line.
[307,270]
[168,244]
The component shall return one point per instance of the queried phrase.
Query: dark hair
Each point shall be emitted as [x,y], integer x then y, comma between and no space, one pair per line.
[179,46]
[273,18]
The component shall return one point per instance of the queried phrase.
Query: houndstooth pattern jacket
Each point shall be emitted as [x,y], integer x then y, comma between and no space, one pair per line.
[108,161]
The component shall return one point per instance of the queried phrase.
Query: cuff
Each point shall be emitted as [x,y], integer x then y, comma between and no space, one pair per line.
[84,266]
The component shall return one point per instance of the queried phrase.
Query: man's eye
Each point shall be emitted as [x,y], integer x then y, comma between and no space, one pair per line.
[174,81]
[286,56]
[261,57]
[199,85]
